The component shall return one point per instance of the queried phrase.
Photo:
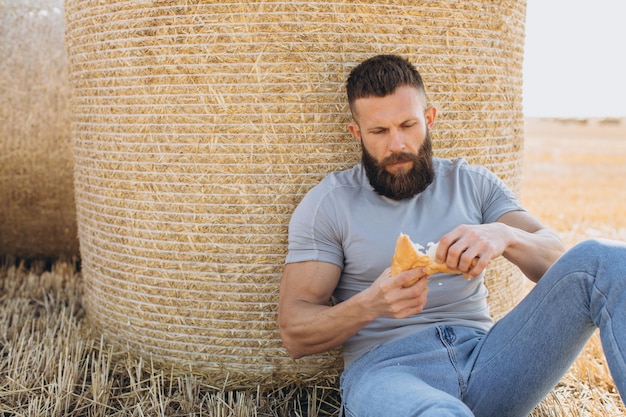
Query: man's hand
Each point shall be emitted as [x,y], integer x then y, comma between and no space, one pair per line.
[308,324]
[391,297]
[469,248]
[516,235]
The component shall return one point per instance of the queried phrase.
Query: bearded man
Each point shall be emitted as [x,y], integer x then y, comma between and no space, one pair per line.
[431,348]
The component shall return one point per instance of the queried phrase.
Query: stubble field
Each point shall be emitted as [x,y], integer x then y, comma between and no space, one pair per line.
[575,176]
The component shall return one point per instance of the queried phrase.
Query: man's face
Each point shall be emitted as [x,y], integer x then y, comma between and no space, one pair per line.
[396,144]
[401,183]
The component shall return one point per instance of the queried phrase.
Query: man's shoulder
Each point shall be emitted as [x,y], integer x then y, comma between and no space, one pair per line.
[460,165]
[348,178]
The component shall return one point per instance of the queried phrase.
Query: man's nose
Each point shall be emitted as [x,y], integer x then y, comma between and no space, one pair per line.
[396,140]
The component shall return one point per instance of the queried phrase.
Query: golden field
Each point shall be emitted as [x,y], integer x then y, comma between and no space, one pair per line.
[575,176]
[51,365]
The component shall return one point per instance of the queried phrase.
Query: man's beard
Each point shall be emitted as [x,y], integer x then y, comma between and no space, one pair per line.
[401,185]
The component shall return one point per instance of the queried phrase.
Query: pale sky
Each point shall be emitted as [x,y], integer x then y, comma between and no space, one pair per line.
[575,58]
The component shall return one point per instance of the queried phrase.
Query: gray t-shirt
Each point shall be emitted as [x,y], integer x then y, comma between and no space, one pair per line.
[343,221]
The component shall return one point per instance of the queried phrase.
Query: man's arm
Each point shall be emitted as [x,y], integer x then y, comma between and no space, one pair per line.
[516,235]
[534,247]
[309,324]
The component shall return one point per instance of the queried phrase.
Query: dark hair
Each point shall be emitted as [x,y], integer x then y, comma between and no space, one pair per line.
[380,76]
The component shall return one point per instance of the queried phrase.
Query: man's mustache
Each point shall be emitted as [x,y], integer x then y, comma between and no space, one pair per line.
[398,157]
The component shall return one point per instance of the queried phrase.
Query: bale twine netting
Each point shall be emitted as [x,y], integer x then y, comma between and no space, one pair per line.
[37,209]
[199,127]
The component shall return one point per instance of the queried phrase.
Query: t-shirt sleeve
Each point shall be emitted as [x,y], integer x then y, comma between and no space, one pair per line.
[314,232]
[496,198]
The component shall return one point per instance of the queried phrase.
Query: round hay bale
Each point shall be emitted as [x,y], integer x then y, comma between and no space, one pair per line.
[199,127]
[37,209]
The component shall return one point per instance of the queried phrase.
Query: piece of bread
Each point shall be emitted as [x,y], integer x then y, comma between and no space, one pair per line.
[407,256]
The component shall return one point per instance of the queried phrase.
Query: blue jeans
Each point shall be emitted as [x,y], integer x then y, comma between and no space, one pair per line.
[460,371]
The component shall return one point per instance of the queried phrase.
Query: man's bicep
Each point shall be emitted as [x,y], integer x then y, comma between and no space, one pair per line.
[311,281]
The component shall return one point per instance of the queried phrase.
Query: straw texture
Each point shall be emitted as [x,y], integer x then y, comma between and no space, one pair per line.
[37,210]
[197,129]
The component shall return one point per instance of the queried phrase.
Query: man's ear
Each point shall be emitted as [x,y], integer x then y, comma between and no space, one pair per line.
[355,130]
[430,115]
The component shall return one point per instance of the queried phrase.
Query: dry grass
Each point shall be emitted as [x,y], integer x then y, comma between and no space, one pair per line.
[575,177]
[51,365]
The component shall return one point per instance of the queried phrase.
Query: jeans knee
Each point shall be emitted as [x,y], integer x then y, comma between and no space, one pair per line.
[591,248]
[594,252]
[603,260]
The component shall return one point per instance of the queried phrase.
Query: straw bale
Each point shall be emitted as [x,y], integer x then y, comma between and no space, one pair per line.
[37,211]
[198,128]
